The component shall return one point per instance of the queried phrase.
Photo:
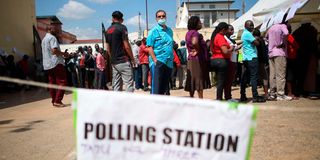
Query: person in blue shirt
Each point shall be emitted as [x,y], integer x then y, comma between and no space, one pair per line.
[160,45]
[250,62]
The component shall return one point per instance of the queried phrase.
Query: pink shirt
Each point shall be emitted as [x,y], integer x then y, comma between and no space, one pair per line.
[277,35]
[101,63]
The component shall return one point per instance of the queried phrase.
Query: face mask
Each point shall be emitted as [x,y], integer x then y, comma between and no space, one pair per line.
[162,21]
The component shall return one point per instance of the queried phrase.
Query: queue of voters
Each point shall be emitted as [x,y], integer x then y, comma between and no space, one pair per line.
[155,62]
[281,61]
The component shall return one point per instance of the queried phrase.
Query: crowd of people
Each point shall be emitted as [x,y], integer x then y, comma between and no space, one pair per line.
[283,63]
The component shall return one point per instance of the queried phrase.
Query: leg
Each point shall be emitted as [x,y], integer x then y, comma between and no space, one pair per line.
[281,64]
[200,94]
[272,78]
[243,81]
[145,70]
[52,80]
[156,74]
[116,78]
[127,76]
[230,74]
[166,80]
[61,80]
[220,66]
[180,76]
[253,67]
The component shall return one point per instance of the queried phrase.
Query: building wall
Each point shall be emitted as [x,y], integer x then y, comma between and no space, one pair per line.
[207,6]
[209,17]
[64,37]
[17,18]
[180,34]
[222,16]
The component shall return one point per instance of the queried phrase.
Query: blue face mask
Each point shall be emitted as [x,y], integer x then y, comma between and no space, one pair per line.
[162,21]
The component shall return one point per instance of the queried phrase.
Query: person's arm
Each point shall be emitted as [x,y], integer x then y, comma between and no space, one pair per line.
[150,46]
[128,50]
[224,45]
[126,44]
[256,41]
[54,48]
[226,49]
[151,53]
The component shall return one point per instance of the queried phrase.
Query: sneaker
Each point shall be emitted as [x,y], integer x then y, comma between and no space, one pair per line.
[272,98]
[284,98]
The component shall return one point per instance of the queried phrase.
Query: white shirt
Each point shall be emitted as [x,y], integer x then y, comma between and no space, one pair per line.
[234,53]
[50,60]
[135,51]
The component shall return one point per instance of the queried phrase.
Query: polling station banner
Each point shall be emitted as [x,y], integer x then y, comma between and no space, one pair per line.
[126,126]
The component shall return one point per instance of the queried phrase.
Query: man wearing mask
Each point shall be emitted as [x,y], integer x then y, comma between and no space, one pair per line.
[53,63]
[160,44]
[119,49]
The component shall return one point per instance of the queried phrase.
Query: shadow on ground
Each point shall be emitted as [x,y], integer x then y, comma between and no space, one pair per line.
[14,98]
[26,127]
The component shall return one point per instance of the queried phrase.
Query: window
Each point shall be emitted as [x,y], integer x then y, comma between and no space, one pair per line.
[202,6]
[213,17]
[206,21]
[221,14]
[212,6]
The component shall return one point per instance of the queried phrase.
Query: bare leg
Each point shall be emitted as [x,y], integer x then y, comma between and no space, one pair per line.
[200,94]
[191,93]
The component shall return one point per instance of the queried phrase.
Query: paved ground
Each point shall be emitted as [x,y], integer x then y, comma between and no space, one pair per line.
[30,128]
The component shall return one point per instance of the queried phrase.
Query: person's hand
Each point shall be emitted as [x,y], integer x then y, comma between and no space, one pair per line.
[193,52]
[155,60]
[133,63]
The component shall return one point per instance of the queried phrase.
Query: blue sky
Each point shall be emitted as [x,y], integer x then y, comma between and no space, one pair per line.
[83,17]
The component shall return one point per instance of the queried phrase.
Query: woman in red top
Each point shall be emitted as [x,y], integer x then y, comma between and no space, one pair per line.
[221,51]
[144,61]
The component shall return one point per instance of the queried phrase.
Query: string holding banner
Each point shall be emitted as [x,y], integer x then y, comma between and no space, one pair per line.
[110,126]
[36,84]
[71,89]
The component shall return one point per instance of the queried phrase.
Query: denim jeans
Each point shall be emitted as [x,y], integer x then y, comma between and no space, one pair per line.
[250,69]
[100,79]
[161,74]
[145,72]
[138,77]
[220,66]
[122,73]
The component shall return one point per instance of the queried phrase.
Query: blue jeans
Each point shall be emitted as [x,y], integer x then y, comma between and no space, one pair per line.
[138,77]
[101,79]
[161,75]
[250,72]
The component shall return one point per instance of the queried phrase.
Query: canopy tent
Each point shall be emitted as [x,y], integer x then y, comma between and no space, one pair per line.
[267,13]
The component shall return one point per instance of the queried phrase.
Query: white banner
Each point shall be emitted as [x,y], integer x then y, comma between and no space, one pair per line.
[126,126]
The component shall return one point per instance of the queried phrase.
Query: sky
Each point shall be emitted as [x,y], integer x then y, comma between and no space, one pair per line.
[84,17]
